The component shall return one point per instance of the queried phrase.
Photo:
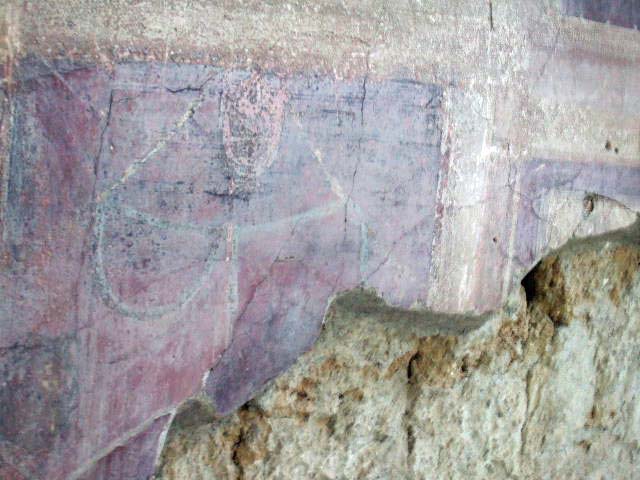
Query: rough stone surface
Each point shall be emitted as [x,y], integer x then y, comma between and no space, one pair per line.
[185,186]
[550,388]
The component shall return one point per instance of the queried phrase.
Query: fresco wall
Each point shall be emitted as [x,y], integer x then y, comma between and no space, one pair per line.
[180,203]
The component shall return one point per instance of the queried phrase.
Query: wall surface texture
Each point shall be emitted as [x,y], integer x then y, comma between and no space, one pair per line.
[186,187]
[549,388]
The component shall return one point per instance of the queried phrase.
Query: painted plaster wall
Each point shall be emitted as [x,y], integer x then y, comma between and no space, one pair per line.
[186,186]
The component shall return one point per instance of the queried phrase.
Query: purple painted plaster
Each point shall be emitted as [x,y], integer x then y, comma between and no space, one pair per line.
[624,13]
[171,229]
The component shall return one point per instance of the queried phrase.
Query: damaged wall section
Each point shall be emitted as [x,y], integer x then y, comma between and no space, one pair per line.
[546,388]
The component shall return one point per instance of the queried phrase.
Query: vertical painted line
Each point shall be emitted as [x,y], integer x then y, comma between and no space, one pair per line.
[232,239]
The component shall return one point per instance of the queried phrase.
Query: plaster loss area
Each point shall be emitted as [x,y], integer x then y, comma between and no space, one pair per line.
[547,388]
